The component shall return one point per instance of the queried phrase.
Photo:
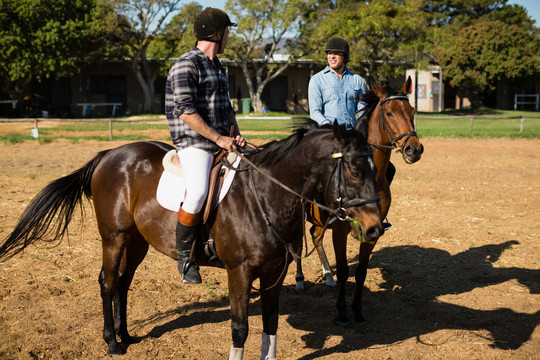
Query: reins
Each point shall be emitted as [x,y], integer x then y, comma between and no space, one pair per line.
[342,212]
[339,213]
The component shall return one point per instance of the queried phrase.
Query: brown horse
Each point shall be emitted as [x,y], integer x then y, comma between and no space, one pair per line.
[257,228]
[390,121]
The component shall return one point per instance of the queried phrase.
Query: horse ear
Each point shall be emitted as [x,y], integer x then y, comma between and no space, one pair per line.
[407,87]
[378,90]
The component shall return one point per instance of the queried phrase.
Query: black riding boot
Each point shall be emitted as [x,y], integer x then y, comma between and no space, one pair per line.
[185,235]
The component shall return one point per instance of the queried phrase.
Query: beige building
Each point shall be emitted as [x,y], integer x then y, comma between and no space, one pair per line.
[429,94]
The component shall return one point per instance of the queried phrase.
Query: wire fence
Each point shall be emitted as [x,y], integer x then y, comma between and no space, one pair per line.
[292,119]
[472,118]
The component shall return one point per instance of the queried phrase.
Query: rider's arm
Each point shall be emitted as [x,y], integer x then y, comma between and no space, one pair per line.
[315,99]
[197,123]
[240,141]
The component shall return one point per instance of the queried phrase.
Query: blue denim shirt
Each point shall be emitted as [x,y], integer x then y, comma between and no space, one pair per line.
[331,99]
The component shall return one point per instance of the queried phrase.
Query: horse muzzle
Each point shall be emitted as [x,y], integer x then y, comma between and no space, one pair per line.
[412,153]
[367,230]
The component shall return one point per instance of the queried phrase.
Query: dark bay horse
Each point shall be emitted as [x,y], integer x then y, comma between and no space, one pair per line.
[390,121]
[257,228]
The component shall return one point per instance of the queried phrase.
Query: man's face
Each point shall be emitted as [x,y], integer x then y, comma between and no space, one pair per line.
[335,59]
[224,41]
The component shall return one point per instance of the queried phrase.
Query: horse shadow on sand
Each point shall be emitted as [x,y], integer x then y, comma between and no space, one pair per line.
[406,306]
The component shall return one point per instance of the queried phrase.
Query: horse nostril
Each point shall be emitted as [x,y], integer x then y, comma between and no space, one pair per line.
[372,233]
[410,150]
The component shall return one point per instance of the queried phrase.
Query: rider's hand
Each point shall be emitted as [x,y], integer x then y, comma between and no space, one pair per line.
[240,141]
[229,143]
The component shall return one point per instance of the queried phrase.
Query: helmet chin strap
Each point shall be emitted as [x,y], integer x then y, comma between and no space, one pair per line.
[218,41]
[342,66]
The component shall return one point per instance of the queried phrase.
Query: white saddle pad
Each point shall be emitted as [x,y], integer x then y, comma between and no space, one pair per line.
[171,189]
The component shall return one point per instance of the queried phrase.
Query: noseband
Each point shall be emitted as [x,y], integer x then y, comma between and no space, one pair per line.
[390,133]
[341,213]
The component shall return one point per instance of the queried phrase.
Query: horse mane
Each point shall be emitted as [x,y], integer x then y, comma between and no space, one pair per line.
[273,151]
[370,99]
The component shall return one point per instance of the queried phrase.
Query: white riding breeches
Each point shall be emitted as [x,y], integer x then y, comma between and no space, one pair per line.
[196,166]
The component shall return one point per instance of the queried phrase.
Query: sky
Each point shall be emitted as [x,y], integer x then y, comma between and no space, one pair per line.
[532,6]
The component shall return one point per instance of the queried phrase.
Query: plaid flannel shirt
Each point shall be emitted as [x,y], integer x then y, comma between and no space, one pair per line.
[197,84]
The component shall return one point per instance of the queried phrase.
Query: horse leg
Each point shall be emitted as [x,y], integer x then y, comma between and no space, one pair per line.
[326,269]
[299,287]
[134,254]
[316,232]
[339,238]
[239,288]
[270,290]
[113,250]
[360,277]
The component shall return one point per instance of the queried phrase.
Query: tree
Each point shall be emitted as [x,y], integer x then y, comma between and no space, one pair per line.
[383,35]
[485,52]
[42,39]
[264,25]
[142,30]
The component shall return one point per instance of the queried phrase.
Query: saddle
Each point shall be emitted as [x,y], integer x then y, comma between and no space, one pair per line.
[216,180]
[217,175]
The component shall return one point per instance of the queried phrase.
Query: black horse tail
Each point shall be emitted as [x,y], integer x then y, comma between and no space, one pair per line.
[49,213]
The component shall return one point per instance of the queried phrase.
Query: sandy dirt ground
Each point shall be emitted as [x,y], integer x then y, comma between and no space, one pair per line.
[457,276]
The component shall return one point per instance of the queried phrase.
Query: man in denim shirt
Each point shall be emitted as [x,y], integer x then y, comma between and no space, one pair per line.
[334,93]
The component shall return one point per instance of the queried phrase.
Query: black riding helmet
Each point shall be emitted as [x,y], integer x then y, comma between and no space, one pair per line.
[338,44]
[209,22]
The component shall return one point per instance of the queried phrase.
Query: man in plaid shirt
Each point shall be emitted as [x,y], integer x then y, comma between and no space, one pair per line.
[200,114]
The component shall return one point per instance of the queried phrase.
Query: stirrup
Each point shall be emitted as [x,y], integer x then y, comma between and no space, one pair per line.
[190,272]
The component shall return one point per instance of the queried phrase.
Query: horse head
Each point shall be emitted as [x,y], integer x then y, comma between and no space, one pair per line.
[396,121]
[351,187]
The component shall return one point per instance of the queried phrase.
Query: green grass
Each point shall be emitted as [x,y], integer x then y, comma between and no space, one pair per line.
[482,127]
[428,124]
[264,125]
[104,126]
[14,138]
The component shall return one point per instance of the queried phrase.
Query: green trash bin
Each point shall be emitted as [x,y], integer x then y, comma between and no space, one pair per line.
[246,105]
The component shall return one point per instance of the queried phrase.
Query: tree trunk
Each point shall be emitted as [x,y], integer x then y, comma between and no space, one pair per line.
[147,89]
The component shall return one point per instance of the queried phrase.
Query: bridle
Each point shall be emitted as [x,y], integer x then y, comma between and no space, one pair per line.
[339,213]
[392,137]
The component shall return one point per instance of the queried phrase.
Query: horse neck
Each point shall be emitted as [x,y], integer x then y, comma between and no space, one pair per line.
[377,137]
[376,133]
[297,167]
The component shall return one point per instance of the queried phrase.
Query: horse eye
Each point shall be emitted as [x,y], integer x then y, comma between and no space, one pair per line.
[389,114]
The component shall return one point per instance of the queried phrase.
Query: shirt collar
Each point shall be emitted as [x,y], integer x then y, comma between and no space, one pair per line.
[202,55]
[328,70]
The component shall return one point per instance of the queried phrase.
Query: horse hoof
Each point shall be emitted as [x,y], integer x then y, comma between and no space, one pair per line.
[344,323]
[299,287]
[130,339]
[360,319]
[331,285]
[115,349]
